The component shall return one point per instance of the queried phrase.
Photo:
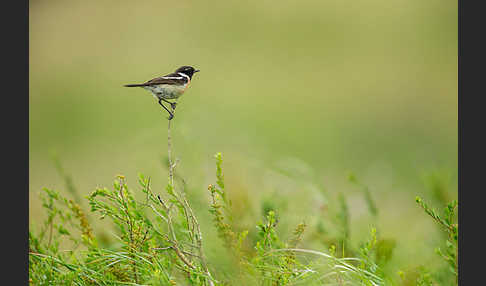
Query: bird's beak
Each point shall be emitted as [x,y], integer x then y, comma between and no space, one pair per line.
[197,70]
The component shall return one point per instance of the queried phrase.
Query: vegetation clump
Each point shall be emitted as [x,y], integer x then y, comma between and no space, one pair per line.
[158,240]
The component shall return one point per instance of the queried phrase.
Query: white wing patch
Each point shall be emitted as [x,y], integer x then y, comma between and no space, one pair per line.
[184,75]
[172,77]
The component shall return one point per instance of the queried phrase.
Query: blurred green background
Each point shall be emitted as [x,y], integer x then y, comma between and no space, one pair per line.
[295,94]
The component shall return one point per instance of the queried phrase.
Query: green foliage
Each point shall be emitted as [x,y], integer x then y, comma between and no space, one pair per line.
[65,219]
[448,222]
[343,221]
[276,262]
[368,256]
[340,239]
[159,242]
[366,191]
[152,249]
[219,209]
[438,181]
[415,277]
[68,180]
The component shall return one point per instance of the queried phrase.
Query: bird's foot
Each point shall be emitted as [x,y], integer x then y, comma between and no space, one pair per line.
[171,116]
[173,105]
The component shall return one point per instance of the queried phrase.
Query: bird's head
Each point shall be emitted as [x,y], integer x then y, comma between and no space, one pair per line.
[187,70]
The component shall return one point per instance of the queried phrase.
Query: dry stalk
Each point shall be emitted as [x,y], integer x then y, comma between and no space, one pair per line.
[192,223]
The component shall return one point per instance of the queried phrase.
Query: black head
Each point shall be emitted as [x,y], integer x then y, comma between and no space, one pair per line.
[187,70]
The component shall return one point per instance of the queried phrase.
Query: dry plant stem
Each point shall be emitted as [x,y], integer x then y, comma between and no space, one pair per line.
[169,153]
[188,213]
[171,181]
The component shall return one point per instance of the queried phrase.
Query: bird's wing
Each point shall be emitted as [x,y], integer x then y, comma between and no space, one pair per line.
[172,79]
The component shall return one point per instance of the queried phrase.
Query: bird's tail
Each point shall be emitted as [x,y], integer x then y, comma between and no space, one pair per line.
[133,85]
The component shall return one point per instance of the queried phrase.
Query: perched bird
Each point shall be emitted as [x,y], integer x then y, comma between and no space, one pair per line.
[170,86]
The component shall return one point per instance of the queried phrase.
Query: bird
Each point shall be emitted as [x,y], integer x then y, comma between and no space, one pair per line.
[170,86]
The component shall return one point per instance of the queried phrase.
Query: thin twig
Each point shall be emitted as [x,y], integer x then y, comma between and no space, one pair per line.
[191,220]
[169,153]
[157,213]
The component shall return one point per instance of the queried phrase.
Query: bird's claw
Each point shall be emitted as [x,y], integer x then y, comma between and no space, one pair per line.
[173,105]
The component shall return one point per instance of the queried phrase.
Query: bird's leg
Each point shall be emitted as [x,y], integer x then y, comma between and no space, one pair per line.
[172,104]
[171,115]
